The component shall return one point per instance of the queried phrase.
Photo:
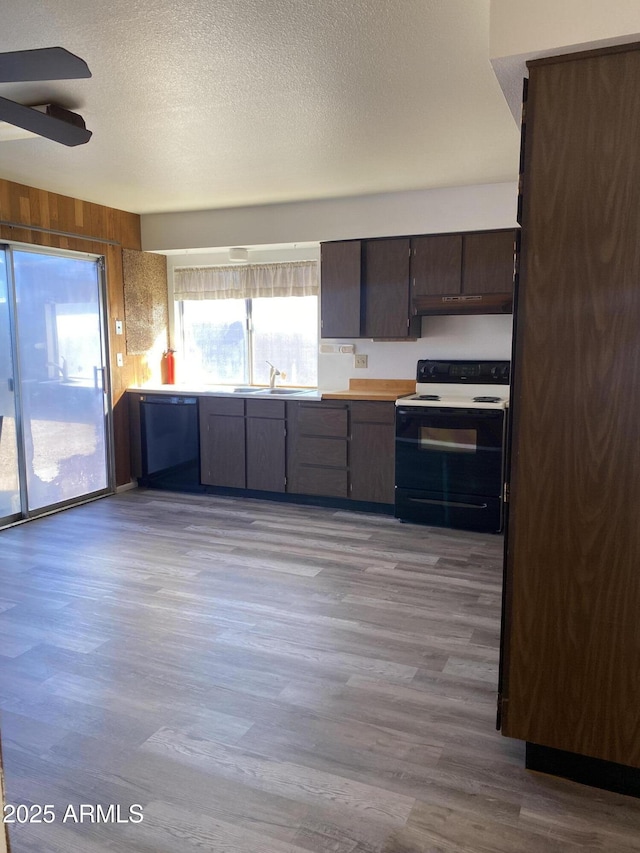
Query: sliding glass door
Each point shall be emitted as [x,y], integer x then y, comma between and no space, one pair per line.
[60,376]
[10,505]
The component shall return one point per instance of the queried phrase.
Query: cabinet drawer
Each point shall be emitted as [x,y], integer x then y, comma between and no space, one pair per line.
[321,451]
[265,409]
[222,406]
[320,420]
[329,482]
[373,413]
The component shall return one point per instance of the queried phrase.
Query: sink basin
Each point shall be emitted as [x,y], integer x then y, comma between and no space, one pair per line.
[277,392]
[282,391]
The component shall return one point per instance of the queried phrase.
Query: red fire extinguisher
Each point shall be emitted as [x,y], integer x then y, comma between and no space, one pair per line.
[169,366]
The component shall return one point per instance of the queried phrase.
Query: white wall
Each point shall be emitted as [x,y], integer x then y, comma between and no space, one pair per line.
[521,30]
[527,26]
[487,336]
[418,212]
[422,212]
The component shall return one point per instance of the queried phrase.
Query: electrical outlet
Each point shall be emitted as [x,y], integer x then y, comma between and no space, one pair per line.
[119,359]
[360,360]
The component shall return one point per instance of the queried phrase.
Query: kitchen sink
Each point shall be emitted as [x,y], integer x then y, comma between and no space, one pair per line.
[282,391]
[277,392]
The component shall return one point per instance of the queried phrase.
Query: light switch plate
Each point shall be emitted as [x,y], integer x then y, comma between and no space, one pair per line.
[118,327]
[360,360]
[119,359]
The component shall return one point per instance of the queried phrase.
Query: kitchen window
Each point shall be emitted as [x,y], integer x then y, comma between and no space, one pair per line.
[233,320]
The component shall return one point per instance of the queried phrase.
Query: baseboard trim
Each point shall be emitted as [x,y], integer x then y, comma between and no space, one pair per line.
[280,497]
[307,500]
[595,772]
[126,487]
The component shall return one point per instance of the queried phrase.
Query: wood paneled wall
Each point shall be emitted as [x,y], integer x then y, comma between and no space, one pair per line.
[31,208]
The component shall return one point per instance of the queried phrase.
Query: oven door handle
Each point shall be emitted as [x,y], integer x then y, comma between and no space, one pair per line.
[448,503]
[431,411]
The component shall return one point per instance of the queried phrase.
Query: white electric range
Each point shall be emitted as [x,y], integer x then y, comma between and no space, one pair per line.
[450,445]
[481,384]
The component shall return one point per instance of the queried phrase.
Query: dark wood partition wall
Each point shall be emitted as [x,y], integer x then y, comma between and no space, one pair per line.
[572,669]
[31,209]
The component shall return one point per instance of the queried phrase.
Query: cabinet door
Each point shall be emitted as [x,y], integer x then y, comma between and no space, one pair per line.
[266,454]
[488,262]
[573,587]
[222,450]
[436,265]
[386,288]
[340,281]
[372,452]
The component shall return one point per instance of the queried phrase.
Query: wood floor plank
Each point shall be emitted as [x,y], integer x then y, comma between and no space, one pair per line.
[269,678]
[301,784]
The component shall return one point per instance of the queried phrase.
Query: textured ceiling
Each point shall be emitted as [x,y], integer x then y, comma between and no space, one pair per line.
[220,103]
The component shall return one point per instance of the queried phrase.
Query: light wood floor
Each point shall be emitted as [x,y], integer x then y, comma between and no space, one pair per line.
[267,678]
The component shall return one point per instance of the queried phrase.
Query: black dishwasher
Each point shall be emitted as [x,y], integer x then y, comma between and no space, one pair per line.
[170,442]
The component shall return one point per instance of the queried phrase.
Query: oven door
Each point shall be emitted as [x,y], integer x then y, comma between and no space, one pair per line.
[449,451]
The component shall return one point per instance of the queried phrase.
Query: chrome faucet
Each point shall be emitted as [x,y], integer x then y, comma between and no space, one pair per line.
[63,370]
[273,372]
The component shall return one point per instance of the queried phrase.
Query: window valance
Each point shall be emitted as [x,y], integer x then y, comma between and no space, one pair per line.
[251,281]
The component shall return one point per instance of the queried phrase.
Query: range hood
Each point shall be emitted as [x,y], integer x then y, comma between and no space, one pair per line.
[468,303]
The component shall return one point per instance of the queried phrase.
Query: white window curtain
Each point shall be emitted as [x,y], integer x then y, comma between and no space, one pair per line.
[297,278]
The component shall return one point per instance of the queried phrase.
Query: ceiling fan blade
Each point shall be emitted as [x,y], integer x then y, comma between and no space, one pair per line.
[46,63]
[56,123]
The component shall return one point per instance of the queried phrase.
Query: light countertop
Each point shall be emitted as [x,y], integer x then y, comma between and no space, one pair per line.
[373,389]
[201,390]
[359,389]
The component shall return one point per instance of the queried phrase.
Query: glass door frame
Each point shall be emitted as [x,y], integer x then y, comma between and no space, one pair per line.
[25,514]
[6,520]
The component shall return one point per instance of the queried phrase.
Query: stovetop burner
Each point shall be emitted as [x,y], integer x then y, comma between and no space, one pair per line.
[460,385]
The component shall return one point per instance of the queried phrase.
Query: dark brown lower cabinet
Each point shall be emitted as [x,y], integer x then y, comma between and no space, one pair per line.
[372,450]
[342,450]
[326,448]
[265,443]
[222,442]
[317,449]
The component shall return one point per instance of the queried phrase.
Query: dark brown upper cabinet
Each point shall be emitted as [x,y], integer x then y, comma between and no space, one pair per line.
[385,291]
[436,264]
[340,302]
[487,262]
[470,273]
[365,289]
[378,288]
